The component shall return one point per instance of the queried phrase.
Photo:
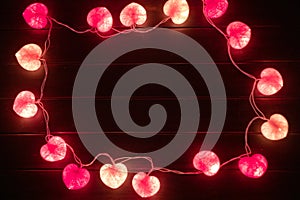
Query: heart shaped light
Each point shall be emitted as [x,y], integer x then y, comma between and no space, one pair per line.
[270,82]
[145,185]
[207,162]
[133,14]
[239,34]
[24,104]
[35,15]
[100,18]
[54,150]
[177,10]
[113,175]
[74,177]
[29,57]
[215,8]
[276,128]
[254,166]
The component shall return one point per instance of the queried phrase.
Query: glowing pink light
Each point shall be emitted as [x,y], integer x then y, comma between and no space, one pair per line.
[35,15]
[239,34]
[276,128]
[24,104]
[100,18]
[74,177]
[270,82]
[207,162]
[133,14]
[178,10]
[113,175]
[215,8]
[29,57]
[145,185]
[254,166]
[54,150]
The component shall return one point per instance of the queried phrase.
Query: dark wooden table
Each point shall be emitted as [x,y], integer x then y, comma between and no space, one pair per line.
[275,43]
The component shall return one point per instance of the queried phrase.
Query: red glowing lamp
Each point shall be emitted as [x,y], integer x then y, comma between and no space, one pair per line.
[54,150]
[215,8]
[254,166]
[207,162]
[24,104]
[270,82]
[29,57]
[276,128]
[100,18]
[74,177]
[145,185]
[133,14]
[239,34]
[35,15]
[177,10]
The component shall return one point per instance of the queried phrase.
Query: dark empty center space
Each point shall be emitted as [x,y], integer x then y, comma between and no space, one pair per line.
[146,96]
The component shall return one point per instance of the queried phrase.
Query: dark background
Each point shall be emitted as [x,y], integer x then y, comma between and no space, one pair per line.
[275,43]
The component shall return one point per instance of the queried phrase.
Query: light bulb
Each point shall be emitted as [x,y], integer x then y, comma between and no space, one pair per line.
[24,104]
[276,128]
[239,34]
[35,15]
[215,8]
[254,166]
[29,57]
[74,177]
[133,14]
[113,175]
[177,10]
[145,185]
[270,82]
[207,162]
[54,150]
[100,18]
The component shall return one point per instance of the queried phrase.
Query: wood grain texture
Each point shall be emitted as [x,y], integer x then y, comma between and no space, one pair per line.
[275,43]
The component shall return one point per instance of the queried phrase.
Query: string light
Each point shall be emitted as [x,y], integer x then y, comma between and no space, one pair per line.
[239,34]
[113,175]
[35,15]
[54,150]
[270,81]
[215,8]
[145,185]
[133,14]
[24,104]
[76,176]
[207,162]
[177,10]
[100,18]
[254,166]
[276,128]
[29,57]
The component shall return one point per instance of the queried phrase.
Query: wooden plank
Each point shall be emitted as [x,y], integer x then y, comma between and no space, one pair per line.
[21,152]
[63,120]
[227,185]
[264,46]
[238,86]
